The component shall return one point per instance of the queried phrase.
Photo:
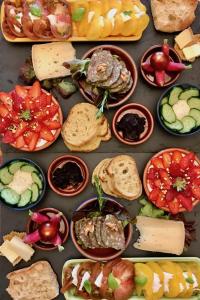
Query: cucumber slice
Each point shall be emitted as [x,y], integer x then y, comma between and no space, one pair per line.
[195,114]
[168,113]
[189,93]
[37,180]
[29,168]
[5,176]
[15,166]
[175,126]
[164,101]
[10,196]
[174,95]
[194,103]
[35,192]
[25,198]
[188,124]
[1,187]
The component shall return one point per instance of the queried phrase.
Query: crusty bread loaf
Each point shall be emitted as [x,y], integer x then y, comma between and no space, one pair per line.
[37,282]
[173,15]
[126,181]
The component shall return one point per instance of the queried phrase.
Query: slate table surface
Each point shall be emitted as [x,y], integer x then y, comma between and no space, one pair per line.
[12,56]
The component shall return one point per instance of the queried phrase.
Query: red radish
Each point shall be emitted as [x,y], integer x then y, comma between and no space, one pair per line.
[177,67]
[57,241]
[55,219]
[48,231]
[147,67]
[159,61]
[165,47]
[38,218]
[32,238]
[160,77]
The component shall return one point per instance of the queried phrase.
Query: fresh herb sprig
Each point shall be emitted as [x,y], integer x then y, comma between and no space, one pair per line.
[101,199]
[102,104]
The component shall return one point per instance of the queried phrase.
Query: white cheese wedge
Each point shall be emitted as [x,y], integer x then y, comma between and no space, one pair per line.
[7,250]
[156,283]
[111,14]
[160,235]
[167,278]
[86,277]
[52,19]
[21,181]
[17,29]
[192,51]
[21,249]
[98,281]
[75,275]
[90,16]
[184,38]
[181,109]
[48,59]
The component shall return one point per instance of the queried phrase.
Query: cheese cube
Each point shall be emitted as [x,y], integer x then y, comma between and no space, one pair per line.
[192,51]
[184,38]
[7,251]
[21,249]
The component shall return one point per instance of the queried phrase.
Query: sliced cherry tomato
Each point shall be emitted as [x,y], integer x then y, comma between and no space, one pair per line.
[52,124]
[165,178]
[186,160]
[29,103]
[166,160]
[42,99]
[3,111]
[46,134]
[176,156]
[33,143]
[196,191]
[48,99]
[174,206]
[175,170]
[21,129]
[35,90]
[4,124]
[186,202]
[8,137]
[157,183]
[154,195]
[53,109]
[35,126]
[18,101]
[170,195]
[160,202]
[27,137]
[187,192]
[21,91]
[152,174]
[157,162]
[20,142]
[194,172]
[6,100]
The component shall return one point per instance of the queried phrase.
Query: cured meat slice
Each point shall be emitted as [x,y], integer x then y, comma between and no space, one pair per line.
[13,17]
[98,229]
[114,75]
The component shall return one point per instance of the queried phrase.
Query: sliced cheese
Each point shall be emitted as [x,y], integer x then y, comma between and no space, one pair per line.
[184,38]
[160,235]
[48,59]
[7,250]
[21,249]
[192,51]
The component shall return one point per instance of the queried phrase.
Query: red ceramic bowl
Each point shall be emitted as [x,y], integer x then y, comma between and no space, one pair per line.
[56,133]
[100,254]
[171,77]
[145,180]
[131,66]
[64,229]
[140,110]
[69,191]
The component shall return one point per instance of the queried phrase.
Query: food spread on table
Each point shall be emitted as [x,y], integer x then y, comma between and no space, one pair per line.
[102,226]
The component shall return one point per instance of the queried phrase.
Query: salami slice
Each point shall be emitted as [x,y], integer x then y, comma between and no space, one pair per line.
[117,67]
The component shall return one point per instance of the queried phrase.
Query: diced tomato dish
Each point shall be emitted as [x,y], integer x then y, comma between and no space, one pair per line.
[27,116]
[173,181]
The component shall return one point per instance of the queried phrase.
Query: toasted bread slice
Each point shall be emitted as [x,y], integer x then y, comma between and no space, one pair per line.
[35,282]
[87,147]
[173,15]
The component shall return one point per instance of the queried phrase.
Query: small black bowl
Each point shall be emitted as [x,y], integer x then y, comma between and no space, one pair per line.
[31,205]
[173,132]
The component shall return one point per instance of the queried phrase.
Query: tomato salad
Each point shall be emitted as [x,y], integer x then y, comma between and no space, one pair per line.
[172,180]
[30,118]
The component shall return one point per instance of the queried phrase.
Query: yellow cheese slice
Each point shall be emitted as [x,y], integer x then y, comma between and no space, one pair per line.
[48,59]
[184,38]
[21,249]
[7,251]
[192,51]
[159,235]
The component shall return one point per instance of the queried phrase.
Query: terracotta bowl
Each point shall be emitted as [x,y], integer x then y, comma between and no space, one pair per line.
[131,66]
[64,229]
[171,77]
[99,254]
[40,171]
[159,106]
[140,110]
[145,180]
[59,162]
[55,132]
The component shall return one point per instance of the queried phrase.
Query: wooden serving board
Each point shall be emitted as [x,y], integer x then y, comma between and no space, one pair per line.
[71,39]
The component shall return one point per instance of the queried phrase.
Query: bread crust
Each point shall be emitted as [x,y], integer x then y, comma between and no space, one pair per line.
[168,18]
